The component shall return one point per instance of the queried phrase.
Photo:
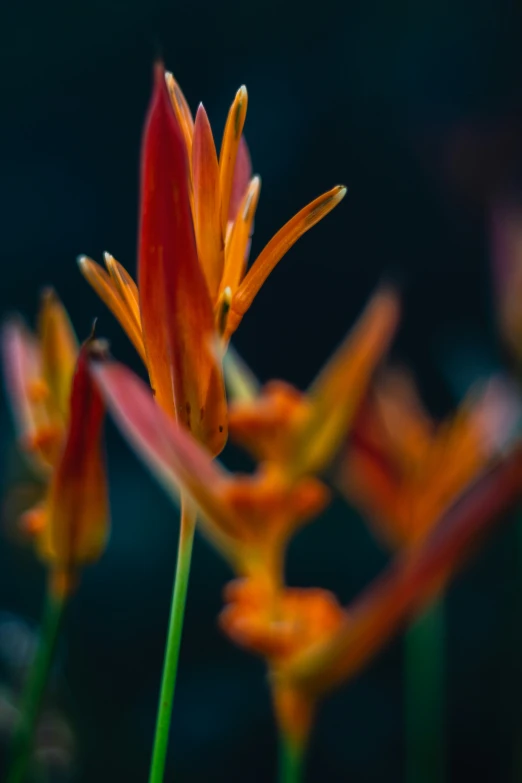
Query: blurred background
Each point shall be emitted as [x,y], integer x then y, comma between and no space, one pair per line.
[417,108]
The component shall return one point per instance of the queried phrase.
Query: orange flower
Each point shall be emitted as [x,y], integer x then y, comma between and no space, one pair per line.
[299,432]
[197,215]
[248,518]
[405,471]
[59,415]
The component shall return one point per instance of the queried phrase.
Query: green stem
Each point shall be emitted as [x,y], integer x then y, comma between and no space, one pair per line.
[35,688]
[170,665]
[425,697]
[291,760]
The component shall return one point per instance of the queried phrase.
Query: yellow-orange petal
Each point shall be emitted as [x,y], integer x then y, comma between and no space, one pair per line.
[181,110]
[241,179]
[108,292]
[77,504]
[238,241]
[207,217]
[278,246]
[337,392]
[229,150]
[59,352]
[126,287]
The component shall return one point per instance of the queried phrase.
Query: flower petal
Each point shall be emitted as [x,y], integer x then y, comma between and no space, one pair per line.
[109,293]
[207,217]
[410,583]
[238,241]
[77,507]
[229,151]
[241,179]
[176,311]
[59,351]
[278,246]
[126,287]
[337,392]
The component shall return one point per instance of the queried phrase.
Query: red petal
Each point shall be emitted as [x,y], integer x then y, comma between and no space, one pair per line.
[176,312]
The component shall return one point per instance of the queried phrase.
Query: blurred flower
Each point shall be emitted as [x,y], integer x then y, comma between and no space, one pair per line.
[403,470]
[197,215]
[507,273]
[300,432]
[248,518]
[59,415]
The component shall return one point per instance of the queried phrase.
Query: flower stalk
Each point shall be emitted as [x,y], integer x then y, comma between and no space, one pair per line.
[170,665]
[425,702]
[35,687]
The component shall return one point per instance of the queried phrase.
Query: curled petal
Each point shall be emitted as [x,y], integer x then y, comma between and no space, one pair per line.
[279,245]
[109,293]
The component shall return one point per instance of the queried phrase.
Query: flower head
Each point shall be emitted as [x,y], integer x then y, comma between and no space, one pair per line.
[59,415]
[197,213]
[403,470]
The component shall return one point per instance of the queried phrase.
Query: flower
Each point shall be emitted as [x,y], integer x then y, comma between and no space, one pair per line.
[197,215]
[403,470]
[59,415]
[249,518]
[300,432]
[310,642]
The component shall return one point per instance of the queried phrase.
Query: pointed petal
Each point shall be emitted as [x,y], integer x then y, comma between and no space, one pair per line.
[237,246]
[181,110]
[229,151]
[176,311]
[59,351]
[207,217]
[242,177]
[410,583]
[172,455]
[77,507]
[281,244]
[108,292]
[337,392]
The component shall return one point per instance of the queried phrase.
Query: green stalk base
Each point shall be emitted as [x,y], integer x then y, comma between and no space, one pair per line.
[170,665]
[425,697]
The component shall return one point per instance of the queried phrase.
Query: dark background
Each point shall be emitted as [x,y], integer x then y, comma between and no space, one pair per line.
[417,108]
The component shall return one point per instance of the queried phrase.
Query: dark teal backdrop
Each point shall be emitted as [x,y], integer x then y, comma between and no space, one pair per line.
[417,108]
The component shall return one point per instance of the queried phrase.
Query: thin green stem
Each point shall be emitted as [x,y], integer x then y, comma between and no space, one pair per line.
[291,760]
[425,697]
[170,665]
[35,689]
